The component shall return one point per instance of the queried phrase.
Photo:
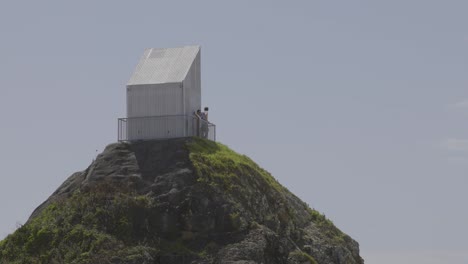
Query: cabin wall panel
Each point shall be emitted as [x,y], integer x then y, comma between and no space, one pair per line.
[155,100]
[192,84]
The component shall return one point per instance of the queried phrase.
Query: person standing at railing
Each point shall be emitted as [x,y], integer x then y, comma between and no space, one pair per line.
[206,113]
[204,123]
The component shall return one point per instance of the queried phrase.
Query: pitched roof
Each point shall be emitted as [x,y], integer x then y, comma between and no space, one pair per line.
[169,65]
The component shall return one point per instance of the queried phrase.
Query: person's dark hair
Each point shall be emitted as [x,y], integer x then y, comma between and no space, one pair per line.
[198,111]
[206,108]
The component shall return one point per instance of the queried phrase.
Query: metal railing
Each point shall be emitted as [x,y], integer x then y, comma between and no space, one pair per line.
[161,127]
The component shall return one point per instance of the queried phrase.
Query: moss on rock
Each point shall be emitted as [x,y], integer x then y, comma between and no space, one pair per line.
[175,200]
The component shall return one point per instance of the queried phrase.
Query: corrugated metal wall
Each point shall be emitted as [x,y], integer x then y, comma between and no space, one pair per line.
[154,100]
[192,84]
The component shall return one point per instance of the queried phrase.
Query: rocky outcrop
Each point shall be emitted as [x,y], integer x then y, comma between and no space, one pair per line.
[176,201]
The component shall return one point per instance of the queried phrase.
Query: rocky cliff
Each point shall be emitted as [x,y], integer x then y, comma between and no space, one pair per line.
[176,201]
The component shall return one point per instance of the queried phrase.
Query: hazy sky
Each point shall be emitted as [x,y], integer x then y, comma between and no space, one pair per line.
[358,107]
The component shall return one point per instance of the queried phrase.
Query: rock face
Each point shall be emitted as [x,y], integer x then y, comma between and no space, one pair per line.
[176,201]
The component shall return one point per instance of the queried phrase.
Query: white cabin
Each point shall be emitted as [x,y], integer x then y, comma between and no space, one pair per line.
[162,95]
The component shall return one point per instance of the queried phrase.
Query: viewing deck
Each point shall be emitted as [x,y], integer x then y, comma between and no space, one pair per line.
[163,127]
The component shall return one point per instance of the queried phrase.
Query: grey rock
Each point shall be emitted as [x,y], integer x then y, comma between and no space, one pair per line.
[261,226]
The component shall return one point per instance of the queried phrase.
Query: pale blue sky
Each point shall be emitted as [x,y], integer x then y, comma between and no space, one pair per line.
[358,107]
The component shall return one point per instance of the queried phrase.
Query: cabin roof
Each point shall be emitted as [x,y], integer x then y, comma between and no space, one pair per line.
[164,65]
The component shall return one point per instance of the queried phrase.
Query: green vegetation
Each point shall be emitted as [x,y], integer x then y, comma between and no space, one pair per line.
[217,165]
[242,180]
[327,227]
[301,256]
[109,221]
[319,218]
[89,227]
[216,162]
